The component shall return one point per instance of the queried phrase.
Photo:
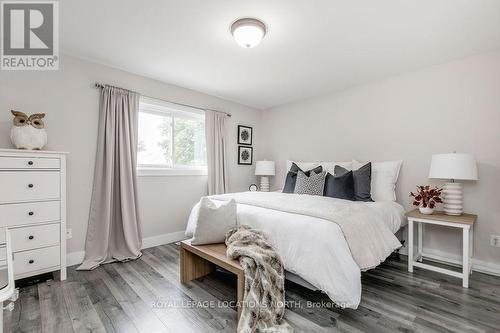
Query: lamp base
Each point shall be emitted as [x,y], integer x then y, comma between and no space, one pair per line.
[453,199]
[264,184]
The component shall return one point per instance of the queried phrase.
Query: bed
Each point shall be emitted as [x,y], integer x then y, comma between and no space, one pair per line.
[309,233]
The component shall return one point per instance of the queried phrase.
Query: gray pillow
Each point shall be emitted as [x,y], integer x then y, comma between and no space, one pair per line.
[312,185]
[340,186]
[362,181]
[214,222]
[291,177]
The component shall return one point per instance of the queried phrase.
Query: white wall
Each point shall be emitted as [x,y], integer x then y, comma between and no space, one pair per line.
[71,107]
[455,106]
[445,108]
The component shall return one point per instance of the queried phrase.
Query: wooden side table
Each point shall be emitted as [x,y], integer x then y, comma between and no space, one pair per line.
[464,222]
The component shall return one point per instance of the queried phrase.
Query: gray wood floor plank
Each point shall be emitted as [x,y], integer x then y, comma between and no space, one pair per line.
[321,316]
[146,295]
[121,297]
[105,320]
[84,317]
[53,311]
[11,318]
[171,315]
[430,306]
[136,309]
[26,315]
[192,290]
[29,320]
[300,324]
[7,321]
[109,310]
[200,316]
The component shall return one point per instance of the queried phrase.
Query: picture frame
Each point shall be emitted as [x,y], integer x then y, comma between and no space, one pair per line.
[245,134]
[245,155]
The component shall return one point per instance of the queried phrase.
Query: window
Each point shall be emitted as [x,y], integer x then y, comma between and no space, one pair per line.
[171,139]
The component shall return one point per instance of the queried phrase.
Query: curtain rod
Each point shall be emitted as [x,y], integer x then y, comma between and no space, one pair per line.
[101,85]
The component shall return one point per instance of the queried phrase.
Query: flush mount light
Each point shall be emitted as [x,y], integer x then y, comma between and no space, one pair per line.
[248,32]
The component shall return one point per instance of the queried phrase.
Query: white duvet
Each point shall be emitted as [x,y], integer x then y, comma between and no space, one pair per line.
[314,248]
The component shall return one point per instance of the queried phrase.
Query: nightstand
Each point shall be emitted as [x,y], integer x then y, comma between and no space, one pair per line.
[464,222]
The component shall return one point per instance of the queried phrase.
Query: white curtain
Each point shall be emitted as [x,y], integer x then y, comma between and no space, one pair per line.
[114,232]
[215,129]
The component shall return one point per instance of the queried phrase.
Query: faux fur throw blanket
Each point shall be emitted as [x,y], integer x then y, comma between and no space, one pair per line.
[264,299]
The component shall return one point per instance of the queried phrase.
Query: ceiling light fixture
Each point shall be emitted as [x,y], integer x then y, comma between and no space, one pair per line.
[248,32]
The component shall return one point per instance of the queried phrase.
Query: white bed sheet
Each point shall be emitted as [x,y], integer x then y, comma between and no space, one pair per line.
[313,248]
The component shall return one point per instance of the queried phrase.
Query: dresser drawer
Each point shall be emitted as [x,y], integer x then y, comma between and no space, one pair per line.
[24,186]
[27,238]
[34,260]
[27,213]
[8,162]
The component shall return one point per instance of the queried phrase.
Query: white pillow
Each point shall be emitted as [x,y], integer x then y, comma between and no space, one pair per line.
[305,166]
[214,222]
[192,220]
[384,178]
[330,166]
[327,166]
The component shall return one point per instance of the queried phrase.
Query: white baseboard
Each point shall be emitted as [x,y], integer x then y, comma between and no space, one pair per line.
[75,258]
[456,260]
[163,239]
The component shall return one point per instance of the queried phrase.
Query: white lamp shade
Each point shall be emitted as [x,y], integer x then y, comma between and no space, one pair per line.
[453,166]
[264,168]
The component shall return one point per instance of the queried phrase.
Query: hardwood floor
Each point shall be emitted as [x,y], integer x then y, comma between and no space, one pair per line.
[146,296]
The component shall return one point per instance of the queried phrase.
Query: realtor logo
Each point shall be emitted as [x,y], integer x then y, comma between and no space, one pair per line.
[30,35]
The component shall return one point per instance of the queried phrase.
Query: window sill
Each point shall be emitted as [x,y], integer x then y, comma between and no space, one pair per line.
[170,172]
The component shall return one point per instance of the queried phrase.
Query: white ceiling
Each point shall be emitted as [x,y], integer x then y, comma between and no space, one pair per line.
[312,46]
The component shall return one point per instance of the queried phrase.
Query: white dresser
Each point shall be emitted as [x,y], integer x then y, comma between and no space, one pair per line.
[33,208]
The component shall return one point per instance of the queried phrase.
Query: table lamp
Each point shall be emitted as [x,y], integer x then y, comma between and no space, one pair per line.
[264,169]
[453,166]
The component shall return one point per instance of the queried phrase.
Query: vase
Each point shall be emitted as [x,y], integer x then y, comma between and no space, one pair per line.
[426,210]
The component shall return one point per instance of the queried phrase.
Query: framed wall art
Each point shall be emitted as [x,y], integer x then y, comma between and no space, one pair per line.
[245,155]
[245,135]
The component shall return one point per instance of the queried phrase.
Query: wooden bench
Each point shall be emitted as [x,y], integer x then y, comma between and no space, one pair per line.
[200,260]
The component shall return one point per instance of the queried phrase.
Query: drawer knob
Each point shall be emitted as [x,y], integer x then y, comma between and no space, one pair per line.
[31,261]
[31,213]
[30,185]
[30,162]
[31,237]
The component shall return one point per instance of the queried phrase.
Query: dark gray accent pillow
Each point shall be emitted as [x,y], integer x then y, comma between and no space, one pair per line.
[362,181]
[340,187]
[312,185]
[291,177]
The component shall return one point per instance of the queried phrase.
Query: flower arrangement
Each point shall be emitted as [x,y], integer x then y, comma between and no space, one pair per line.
[426,198]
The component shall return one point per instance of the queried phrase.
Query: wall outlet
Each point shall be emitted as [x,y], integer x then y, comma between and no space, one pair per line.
[495,240]
[69,234]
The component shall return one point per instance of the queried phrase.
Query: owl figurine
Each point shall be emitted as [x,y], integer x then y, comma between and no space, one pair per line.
[28,132]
